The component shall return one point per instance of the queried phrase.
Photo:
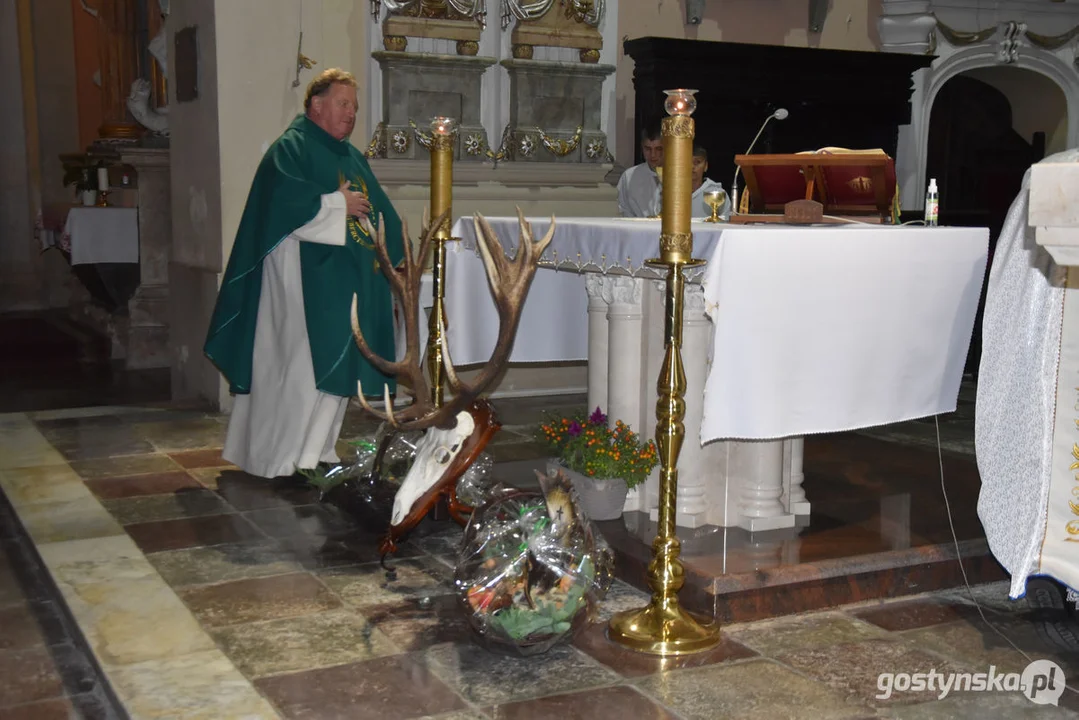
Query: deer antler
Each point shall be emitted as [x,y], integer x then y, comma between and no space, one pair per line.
[509,281]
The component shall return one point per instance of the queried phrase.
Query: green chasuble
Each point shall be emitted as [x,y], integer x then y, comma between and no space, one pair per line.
[303,164]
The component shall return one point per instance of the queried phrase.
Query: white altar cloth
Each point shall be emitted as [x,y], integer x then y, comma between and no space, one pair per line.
[103,235]
[817,329]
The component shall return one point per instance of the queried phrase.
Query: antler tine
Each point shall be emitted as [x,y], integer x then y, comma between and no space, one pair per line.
[389,405]
[382,364]
[384,256]
[364,404]
[447,363]
[494,259]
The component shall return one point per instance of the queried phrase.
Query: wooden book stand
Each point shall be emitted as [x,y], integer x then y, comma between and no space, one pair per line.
[847,186]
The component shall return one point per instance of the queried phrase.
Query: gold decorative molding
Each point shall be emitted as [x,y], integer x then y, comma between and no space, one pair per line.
[377,146]
[677,243]
[561,148]
[960,38]
[1052,42]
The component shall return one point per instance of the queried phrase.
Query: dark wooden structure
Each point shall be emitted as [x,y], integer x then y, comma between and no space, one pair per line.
[839,98]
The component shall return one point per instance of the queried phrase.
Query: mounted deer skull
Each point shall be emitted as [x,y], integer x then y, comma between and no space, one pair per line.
[459,429]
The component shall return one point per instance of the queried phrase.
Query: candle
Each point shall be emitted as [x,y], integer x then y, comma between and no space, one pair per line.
[102,178]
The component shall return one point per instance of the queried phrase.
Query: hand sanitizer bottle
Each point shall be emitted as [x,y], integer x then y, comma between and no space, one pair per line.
[932,204]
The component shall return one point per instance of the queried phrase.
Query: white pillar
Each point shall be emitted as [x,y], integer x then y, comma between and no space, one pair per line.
[757,473]
[794,497]
[597,341]
[693,475]
[623,296]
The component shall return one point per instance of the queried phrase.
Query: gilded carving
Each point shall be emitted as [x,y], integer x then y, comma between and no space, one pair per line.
[678,126]
[680,243]
[860,185]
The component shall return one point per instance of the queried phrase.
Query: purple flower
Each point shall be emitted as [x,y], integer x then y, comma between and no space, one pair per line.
[597,417]
[574,428]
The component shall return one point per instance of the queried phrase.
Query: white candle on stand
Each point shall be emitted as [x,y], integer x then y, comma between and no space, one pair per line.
[102,178]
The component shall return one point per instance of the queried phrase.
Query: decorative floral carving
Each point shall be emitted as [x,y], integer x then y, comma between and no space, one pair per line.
[589,56]
[522,52]
[474,144]
[401,141]
[527,146]
[595,149]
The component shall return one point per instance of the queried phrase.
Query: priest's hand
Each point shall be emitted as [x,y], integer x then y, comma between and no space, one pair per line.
[356,204]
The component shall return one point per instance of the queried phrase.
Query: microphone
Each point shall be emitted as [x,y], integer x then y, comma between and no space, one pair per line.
[780,114]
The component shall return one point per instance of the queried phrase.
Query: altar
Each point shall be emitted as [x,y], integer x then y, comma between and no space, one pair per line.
[788,331]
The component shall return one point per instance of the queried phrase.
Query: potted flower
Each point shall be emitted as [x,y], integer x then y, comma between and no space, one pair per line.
[603,462]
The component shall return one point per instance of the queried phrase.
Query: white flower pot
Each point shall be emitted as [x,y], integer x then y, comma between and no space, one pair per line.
[601,499]
[89,198]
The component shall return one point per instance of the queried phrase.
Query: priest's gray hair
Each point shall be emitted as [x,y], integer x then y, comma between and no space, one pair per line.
[324,81]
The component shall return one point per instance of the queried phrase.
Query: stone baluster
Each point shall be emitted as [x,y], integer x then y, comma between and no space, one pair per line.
[756,470]
[623,296]
[597,341]
[693,476]
[794,497]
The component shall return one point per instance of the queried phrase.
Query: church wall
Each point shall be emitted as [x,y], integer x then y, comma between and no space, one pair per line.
[849,25]
[195,175]
[17,274]
[37,123]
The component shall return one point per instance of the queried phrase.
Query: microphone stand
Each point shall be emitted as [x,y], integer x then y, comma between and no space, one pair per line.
[738,168]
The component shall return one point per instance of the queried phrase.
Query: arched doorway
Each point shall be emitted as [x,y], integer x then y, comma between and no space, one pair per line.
[987,127]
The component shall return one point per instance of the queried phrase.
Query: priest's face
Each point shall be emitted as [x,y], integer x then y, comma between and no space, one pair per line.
[653,152]
[335,112]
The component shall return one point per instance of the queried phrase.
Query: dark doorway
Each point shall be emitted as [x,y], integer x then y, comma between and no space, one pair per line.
[978,159]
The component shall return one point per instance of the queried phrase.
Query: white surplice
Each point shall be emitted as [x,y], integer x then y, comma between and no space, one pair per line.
[698,208]
[1015,410]
[285,423]
[637,192]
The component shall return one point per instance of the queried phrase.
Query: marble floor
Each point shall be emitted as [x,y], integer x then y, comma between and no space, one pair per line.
[201,592]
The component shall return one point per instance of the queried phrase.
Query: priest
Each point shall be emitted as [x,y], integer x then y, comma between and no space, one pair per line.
[637,186]
[1015,413]
[280,332]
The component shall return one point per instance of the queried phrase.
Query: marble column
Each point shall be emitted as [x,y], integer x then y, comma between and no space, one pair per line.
[148,329]
[597,341]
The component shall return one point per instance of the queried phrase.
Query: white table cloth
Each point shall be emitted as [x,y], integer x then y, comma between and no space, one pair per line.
[817,329]
[103,235]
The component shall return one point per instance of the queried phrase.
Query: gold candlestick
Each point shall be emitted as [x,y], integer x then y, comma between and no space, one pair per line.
[443,135]
[663,627]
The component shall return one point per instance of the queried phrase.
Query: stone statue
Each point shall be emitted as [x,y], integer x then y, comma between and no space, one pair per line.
[138,102]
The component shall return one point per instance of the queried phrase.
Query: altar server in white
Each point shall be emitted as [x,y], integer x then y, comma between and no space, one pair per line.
[637,186]
[1016,405]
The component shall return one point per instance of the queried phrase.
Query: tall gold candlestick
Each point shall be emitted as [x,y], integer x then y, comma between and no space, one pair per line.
[443,134]
[663,627]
